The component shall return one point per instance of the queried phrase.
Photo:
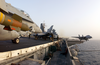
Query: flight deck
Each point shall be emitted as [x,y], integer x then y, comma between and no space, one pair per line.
[24,43]
[37,49]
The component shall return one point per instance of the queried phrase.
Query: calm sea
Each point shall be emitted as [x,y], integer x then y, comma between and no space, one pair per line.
[89,52]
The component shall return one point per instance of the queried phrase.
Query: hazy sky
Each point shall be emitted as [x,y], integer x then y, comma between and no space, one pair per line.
[69,17]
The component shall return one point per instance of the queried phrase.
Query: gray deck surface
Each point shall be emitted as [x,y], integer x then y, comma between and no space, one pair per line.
[59,59]
[24,43]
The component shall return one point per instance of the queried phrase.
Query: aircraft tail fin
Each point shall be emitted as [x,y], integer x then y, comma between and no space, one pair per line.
[82,36]
[42,26]
[79,36]
[16,17]
[50,29]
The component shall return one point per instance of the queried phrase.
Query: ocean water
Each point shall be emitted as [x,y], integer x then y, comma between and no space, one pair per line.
[89,52]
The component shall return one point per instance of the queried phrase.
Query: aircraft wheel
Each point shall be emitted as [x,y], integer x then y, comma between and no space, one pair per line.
[16,40]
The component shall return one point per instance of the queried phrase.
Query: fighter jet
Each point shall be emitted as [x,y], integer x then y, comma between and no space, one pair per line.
[44,34]
[84,37]
[13,21]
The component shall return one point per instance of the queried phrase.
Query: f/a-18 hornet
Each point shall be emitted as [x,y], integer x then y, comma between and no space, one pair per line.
[84,37]
[45,34]
[13,21]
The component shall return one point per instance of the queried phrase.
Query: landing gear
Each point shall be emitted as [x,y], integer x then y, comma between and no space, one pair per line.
[16,40]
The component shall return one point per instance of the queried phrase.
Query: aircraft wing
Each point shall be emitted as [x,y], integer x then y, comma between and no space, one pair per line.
[39,34]
[76,37]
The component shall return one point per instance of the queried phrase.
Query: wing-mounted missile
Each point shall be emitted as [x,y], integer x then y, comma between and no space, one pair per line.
[10,28]
[13,23]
